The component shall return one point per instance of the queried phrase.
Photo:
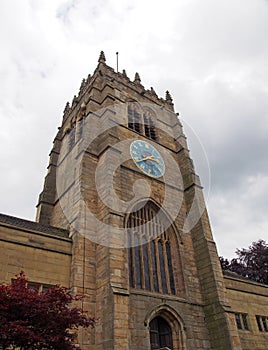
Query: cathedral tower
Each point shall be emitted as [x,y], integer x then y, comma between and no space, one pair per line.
[121,180]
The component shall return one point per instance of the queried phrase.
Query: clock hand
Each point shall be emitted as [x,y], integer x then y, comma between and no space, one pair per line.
[153,159]
[146,158]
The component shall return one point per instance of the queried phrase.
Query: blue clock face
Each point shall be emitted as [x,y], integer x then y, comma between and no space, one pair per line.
[147,158]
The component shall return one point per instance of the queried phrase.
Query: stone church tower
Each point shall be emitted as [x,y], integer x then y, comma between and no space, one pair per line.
[121,180]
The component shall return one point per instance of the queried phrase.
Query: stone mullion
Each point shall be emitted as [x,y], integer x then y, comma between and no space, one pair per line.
[130,255]
[165,239]
[171,275]
[158,266]
[157,257]
[139,219]
[153,252]
[155,243]
[137,246]
[148,232]
[132,225]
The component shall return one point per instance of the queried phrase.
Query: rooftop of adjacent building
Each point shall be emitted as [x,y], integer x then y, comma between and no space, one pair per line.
[16,222]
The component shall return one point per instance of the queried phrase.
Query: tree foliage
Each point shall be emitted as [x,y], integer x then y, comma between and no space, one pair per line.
[33,320]
[251,263]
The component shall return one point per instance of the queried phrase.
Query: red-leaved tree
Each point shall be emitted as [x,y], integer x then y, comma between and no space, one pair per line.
[33,320]
[251,263]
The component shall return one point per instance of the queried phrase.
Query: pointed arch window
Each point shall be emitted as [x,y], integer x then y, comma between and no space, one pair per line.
[160,334]
[142,123]
[150,261]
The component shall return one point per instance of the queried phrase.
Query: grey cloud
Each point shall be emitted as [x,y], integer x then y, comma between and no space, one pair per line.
[64,10]
[211,55]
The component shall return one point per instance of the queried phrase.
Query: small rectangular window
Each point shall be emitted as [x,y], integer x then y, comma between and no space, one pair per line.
[262,322]
[38,286]
[238,321]
[258,319]
[33,286]
[45,287]
[245,321]
[242,321]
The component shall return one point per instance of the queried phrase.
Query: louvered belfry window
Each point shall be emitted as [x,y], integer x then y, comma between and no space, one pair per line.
[150,261]
[141,121]
[149,127]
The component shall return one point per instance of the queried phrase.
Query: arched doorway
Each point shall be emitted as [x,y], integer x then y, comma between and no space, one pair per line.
[166,328]
[160,334]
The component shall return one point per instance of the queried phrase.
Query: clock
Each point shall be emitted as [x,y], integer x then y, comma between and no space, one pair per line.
[147,158]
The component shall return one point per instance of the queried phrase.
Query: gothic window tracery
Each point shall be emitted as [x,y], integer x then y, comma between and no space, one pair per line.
[150,260]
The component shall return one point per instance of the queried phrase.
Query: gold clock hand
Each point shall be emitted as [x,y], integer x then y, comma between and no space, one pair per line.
[146,158]
[153,159]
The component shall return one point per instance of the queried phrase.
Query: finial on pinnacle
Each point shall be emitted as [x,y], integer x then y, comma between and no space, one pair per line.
[124,73]
[102,57]
[88,78]
[83,84]
[168,97]
[67,108]
[74,101]
[137,79]
[153,91]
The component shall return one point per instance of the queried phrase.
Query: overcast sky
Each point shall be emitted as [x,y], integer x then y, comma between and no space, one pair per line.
[212,55]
